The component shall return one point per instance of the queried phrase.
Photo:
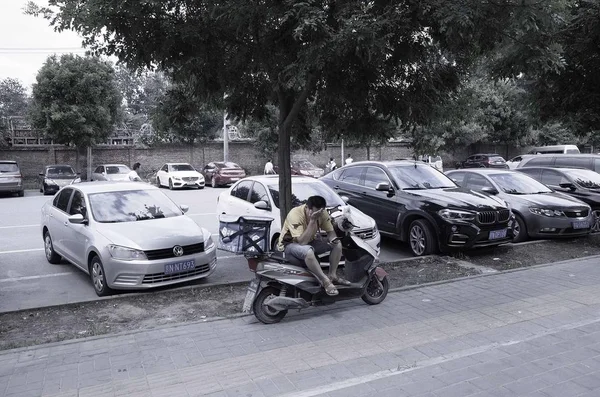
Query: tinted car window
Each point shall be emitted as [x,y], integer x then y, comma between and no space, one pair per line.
[457,177]
[132,205]
[597,165]
[586,178]
[9,167]
[552,178]
[241,190]
[420,177]
[497,159]
[517,183]
[351,175]
[572,161]
[259,193]
[165,168]
[375,176]
[99,170]
[117,169]
[182,167]
[61,201]
[476,182]
[77,204]
[60,171]
[539,162]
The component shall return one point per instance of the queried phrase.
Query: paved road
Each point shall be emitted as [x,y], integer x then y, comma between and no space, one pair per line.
[27,280]
[533,333]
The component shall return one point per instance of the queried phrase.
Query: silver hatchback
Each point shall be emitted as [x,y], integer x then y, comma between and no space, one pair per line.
[126,235]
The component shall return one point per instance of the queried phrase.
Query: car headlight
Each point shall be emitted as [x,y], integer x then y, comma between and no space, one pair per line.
[76,180]
[126,254]
[177,177]
[546,212]
[209,243]
[456,215]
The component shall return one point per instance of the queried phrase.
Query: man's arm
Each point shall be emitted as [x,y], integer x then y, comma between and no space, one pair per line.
[309,233]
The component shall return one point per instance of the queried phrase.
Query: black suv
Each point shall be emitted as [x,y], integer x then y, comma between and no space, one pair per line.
[480,160]
[416,203]
[582,184]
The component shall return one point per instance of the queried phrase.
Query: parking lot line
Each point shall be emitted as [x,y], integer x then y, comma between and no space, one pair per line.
[19,251]
[11,227]
[12,279]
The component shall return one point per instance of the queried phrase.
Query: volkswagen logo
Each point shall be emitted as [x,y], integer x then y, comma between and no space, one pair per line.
[578,214]
[178,250]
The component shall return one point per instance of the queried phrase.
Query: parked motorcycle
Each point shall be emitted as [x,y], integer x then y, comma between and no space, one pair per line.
[280,285]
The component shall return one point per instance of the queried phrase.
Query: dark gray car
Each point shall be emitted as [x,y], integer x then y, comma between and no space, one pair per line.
[11,180]
[540,211]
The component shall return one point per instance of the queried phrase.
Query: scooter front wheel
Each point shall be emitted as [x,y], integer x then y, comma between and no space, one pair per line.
[376,290]
[264,313]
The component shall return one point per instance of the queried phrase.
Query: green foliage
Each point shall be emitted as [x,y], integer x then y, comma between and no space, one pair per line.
[182,117]
[75,100]
[13,102]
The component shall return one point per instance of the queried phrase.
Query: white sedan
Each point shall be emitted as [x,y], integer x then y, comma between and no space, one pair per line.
[259,196]
[125,235]
[179,175]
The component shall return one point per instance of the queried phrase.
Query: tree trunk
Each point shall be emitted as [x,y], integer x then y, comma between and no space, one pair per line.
[285,171]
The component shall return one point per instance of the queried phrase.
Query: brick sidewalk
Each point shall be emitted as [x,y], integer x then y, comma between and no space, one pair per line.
[527,333]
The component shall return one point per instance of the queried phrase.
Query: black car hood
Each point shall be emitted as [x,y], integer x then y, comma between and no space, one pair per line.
[459,199]
[546,200]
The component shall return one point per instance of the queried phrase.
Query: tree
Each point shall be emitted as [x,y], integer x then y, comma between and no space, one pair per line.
[180,116]
[354,60]
[75,100]
[13,102]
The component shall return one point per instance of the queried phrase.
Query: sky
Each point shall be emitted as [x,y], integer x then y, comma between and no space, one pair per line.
[26,42]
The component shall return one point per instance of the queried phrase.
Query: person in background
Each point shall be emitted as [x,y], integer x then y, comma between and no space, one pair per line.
[349,159]
[331,165]
[269,168]
[133,175]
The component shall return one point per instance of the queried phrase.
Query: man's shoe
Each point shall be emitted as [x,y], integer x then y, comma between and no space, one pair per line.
[340,281]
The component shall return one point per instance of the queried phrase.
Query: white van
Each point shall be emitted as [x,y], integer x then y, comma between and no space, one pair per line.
[555,149]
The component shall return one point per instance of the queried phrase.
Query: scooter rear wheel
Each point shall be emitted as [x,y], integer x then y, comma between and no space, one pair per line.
[263,313]
[376,291]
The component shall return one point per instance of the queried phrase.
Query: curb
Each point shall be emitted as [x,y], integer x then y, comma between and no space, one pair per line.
[240,315]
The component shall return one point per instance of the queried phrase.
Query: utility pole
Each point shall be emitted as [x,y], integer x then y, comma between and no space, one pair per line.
[342,161]
[225,139]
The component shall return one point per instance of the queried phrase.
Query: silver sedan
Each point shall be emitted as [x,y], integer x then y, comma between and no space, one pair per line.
[125,235]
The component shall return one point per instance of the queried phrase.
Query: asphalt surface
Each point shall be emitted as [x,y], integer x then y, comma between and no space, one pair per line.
[27,280]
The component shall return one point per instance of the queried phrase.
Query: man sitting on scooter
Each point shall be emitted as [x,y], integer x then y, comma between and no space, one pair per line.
[300,240]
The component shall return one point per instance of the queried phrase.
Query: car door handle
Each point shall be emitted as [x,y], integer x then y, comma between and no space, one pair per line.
[336,187]
[66,223]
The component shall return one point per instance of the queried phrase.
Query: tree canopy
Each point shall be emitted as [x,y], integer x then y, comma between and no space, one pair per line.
[13,102]
[75,100]
[357,62]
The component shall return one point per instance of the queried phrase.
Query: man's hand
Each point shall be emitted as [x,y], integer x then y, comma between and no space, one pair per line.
[316,214]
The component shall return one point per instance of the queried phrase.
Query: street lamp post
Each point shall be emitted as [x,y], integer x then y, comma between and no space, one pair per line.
[225,139]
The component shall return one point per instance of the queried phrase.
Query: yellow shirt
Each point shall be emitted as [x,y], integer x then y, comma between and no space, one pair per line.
[296,223]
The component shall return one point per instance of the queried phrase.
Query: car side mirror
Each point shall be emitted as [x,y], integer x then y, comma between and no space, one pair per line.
[567,185]
[77,219]
[383,187]
[490,190]
[345,199]
[184,208]
[261,205]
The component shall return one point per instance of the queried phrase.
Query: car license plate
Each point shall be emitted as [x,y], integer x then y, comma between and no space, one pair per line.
[178,267]
[497,234]
[581,225]
[250,294]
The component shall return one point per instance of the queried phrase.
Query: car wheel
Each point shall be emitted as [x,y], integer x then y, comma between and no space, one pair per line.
[421,238]
[42,189]
[520,230]
[21,193]
[596,221]
[263,313]
[213,182]
[170,184]
[158,185]
[99,277]
[51,255]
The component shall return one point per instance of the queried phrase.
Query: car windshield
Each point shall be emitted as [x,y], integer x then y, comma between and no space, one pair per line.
[497,159]
[586,178]
[514,183]
[182,167]
[60,170]
[303,190]
[117,169]
[8,167]
[303,165]
[420,177]
[227,165]
[131,206]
